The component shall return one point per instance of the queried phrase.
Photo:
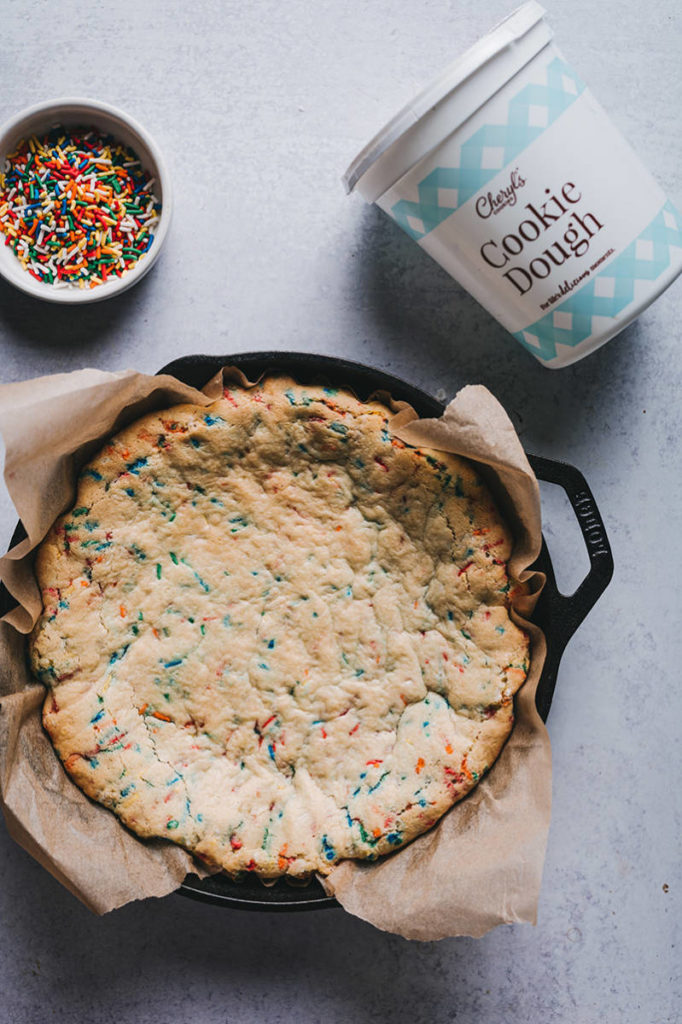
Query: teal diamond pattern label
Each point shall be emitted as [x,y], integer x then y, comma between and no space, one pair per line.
[445,189]
[609,292]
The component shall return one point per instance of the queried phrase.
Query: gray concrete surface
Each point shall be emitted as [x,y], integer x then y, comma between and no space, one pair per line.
[258,107]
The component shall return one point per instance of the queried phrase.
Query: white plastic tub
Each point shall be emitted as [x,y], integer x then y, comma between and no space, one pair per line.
[509,173]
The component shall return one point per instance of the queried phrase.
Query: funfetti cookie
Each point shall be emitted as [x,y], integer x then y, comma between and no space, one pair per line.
[275,634]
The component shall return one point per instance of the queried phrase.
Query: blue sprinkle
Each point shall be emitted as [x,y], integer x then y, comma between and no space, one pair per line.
[130,492]
[328,848]
[339,428]
[210,420]
[117,655]
[96,718]
[271,751]
[261,664]
[377,784]
[93,473]
[63,603]
[499,629]
[271,644]
[195,442]
[394,837]
[172,664]
[136,466]
[124,792]
[202,583]
[290,397]
[450,617]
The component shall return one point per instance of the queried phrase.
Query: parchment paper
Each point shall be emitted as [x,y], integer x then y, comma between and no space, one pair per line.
[479,867]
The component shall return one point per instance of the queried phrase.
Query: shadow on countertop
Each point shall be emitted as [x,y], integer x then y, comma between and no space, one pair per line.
[32,327]
[327,964]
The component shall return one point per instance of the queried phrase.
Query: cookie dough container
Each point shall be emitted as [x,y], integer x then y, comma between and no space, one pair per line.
[509,173]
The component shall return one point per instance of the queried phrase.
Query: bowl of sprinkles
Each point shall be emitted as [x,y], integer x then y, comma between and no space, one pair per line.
[85,201]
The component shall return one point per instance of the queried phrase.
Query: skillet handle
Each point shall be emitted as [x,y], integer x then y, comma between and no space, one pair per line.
[567,612]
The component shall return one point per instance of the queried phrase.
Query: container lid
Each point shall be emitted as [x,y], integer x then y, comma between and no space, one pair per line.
[420,126]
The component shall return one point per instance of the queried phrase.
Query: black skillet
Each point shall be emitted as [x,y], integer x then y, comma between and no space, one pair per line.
[557,615]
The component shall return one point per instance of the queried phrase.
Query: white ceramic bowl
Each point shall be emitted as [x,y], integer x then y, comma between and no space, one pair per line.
[86,113]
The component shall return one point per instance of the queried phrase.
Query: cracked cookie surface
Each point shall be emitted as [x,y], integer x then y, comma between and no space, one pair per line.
[275,634]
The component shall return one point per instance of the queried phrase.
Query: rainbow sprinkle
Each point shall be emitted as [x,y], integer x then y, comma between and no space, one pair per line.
[76,207]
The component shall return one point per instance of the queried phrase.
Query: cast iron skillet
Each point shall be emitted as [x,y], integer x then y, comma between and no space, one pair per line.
[557,615]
